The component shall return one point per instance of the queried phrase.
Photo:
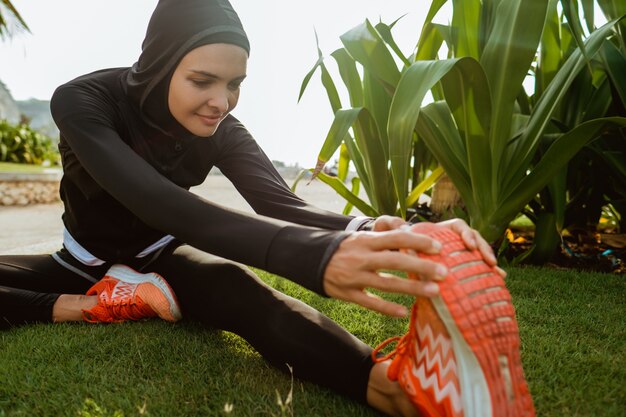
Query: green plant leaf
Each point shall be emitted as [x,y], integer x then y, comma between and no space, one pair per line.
[436,127]
[507,56]
[367,47]
[550,54]
[467,93]
[373,161]
[378,101]
[357,160]
[423,186]
[343,191]
[344,162]
[350,76]
[343,121]
[435,6]
[570,10]
[555,158]
[416,81]
[517,164]
[615,64]
[589,11]
[356,188]
[385,32]
[307,77]
[465,21]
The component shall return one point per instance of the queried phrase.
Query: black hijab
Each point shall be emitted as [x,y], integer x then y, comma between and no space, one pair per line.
[177,27]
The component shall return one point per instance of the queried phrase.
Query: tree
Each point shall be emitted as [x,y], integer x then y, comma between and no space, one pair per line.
[10,20]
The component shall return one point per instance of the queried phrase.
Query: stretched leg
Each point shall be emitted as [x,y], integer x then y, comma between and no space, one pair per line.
[30,288]
[40,288]
[228,296]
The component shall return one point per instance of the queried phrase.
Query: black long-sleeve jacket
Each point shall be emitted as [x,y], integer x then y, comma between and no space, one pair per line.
[125,186]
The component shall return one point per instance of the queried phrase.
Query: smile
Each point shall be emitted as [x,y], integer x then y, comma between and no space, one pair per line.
[210,120]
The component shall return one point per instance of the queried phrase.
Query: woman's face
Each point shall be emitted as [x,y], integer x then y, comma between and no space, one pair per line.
[205,86]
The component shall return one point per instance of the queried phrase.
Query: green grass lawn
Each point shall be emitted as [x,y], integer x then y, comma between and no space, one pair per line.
[24,168]
[572,325]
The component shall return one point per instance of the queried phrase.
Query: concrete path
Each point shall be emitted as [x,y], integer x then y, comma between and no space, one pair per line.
[38,228]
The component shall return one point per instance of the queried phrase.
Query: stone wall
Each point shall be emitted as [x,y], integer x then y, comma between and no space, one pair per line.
[24,189]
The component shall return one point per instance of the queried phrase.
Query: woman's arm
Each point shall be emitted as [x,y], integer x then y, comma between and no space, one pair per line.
[295,252]
[245,164]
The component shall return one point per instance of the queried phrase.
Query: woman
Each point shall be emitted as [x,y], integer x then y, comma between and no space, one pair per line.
[133,140]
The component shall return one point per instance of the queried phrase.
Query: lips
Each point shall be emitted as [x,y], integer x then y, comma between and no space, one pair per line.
[210,120]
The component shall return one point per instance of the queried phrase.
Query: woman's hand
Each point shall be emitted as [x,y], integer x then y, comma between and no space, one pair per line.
[355,264]
[471,238]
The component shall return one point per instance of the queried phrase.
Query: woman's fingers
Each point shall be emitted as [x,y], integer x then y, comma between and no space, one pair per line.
[385,222]
[395,284]
[400,261]
[399,238]
[373,302]
[471,238]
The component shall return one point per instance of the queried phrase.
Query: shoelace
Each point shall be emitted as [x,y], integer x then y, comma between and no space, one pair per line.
[398,350]
[127,308]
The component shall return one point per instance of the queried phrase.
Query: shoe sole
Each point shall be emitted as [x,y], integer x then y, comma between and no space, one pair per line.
[128,274]
[475,307]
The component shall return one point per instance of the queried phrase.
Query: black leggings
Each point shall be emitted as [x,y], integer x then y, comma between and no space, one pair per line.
[215,292]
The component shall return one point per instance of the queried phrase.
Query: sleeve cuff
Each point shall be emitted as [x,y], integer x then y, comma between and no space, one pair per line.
[357,223]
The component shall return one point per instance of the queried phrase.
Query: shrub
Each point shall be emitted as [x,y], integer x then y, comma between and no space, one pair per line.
[21,144]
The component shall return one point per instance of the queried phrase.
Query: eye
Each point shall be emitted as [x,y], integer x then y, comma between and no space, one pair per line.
[235,86]
[201,83]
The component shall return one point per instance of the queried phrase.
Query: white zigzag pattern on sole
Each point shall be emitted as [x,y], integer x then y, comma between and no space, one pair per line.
[434,356]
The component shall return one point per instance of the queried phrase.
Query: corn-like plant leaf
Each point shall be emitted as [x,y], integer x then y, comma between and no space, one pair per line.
[359,165]
[436,127]
[416,81]
[613,9]
[307,77]
[371,145]
[599,102]
[423,186]
[367,47]
[589,11]
[467,93]
[377,100]
[555,158]
[516,164]
[550,54]
[331,90]
[344,162]
[558,193]
[432,38]
[507,56]
[615,65]
[465,19]
[570,10]
[367,137]
[343,191]
[356,188]
[385,32]
[344,119]
[350,76]
[435,6]
[301,175]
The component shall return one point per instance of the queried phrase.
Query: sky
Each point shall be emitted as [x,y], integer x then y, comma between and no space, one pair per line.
[73,37]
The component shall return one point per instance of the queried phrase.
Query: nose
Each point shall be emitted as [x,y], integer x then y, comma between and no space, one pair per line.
[219,101]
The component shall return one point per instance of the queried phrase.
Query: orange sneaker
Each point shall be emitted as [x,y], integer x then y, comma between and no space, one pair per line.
[460,357]
[125,294]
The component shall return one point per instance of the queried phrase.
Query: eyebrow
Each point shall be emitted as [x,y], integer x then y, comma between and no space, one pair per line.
[210,75]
